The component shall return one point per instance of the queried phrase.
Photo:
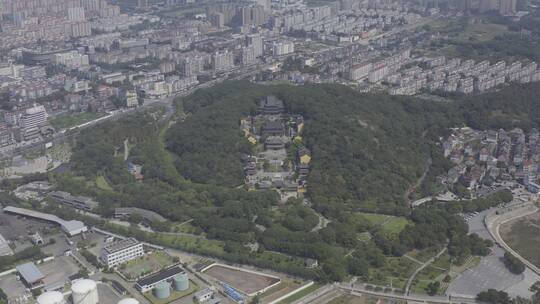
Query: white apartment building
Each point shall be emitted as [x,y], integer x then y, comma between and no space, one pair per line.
[283,48]
[76,14]
[222,60]
[120,252]
[72,59]
[360,71]
[35,116]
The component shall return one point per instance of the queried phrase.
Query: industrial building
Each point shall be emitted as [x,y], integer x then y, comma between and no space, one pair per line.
[204,295]
[234,294]
[150,282]
[71,228]
[30,275]
[79,202]
[147,215]
[121,251]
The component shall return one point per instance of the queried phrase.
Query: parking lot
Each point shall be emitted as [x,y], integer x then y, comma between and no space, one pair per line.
[107,295]
[58,271]
[12,286]
[490,273]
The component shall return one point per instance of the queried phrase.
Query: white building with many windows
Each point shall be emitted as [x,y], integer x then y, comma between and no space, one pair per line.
[120,252]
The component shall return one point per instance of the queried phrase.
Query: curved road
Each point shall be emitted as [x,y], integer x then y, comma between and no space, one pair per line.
[494,223]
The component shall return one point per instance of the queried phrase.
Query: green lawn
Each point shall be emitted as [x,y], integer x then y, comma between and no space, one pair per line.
[463,30]
[395,272]
[187,228]
[192,243]
[481,32]
[147,264]
[102,183]
[280,259]
[372,218]
[419,286]
[68,120]
[394,226]
[425,254]
[301,294]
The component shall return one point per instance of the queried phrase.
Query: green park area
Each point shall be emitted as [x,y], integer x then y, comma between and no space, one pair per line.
[485,37]
[146,264]
[389,225]
[102,183]
[192,170]
[186,227]
[68,120]
[191,243]
[394,273]
[463,30]
[443,271]
[175,295]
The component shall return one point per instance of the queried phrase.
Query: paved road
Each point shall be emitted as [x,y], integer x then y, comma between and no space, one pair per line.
[360,289]
[493,223]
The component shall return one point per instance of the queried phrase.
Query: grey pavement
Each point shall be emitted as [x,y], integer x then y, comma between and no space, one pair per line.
[491,272]
[107,295]
[476,225]
[12,286]
[57,271]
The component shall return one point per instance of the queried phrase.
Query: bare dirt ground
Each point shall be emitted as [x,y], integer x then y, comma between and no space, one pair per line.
[243,281]
[523,235]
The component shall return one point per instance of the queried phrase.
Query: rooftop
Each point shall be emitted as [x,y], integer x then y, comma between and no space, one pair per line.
[273,125]
[71,227]
[160,276]
[30,273]
[148,214]
[74,199]
[120,245]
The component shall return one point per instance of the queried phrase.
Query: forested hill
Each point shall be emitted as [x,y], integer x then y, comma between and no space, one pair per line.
[368,149]
[514,106]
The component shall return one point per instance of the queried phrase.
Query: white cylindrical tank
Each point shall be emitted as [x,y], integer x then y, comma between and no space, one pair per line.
[85,292]
[51,297]
[128,301]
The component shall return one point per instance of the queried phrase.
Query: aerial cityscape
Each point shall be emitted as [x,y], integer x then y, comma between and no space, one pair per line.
[269,151]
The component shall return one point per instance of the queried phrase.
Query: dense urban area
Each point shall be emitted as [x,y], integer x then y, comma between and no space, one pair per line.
[269,151]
